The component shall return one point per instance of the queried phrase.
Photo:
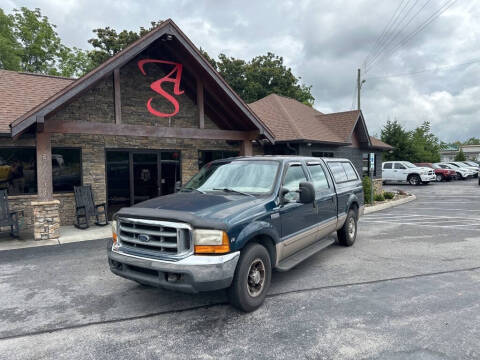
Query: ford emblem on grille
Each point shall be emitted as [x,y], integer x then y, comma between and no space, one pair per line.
[144,238]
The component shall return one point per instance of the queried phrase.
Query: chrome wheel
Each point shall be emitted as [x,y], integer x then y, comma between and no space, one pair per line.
[256,278]
[414,180]
[351,228]
[439,178]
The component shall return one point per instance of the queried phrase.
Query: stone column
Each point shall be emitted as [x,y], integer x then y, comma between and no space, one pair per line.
[46,220]
[46,216]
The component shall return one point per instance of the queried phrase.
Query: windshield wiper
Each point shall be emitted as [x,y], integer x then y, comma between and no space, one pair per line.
[233,191]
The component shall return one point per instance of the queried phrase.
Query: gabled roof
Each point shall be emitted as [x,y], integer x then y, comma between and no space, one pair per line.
[290,120]
[379,144]
[167,27]
[20,92]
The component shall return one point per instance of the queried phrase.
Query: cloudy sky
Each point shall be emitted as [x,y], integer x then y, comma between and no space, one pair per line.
[325,42]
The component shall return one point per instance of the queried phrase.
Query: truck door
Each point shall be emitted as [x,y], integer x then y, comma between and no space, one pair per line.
[387,171]
[399,172]
[299,221]
[325,198]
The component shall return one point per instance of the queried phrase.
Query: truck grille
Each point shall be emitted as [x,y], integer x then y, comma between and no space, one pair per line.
[159,238]
[431,172]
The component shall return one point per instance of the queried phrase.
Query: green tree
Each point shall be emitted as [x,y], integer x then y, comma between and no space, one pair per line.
[73,62]
[425,145]
[107,42]
[40,44]
[395,135]
[261,76]
[9,46]
[460,156]
[472,141]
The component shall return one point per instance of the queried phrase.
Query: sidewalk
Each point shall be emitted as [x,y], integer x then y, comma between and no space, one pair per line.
[68,234]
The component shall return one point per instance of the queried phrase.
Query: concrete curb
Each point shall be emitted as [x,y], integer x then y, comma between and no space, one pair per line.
[387,205]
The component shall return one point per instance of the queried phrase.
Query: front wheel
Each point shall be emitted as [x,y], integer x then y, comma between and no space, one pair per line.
[252,278]
[439,177]
[414,179]
[348,233]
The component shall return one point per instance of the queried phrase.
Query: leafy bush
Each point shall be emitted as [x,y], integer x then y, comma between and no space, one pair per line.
[379,197]
[388,195]
[367,189]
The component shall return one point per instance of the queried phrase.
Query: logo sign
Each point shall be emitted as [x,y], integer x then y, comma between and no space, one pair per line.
[174,76]
[144,238]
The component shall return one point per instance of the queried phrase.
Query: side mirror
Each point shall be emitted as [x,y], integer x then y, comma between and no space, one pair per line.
[307,192]
[178,185]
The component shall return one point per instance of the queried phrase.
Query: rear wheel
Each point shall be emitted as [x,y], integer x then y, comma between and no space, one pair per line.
[348,233]
[414,179]
[252,278]
[439,177]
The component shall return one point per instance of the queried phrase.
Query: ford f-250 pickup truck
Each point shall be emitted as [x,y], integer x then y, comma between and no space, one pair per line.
[235,221]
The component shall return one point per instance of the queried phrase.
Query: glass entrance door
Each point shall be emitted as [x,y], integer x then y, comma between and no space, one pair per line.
[134,176]
[145,176]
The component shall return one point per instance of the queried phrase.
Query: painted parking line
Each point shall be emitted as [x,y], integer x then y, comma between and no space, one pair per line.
[445,209]
[427,225]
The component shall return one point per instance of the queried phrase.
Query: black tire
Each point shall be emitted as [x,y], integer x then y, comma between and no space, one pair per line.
[244,293]
[439,177]
[347,235]
[414,179]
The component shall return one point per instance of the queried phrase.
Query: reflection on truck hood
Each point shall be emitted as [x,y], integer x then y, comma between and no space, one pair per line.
[214,206]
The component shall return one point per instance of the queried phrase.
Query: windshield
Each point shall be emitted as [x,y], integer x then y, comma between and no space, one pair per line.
[253,177]
[408,164]
[471,163]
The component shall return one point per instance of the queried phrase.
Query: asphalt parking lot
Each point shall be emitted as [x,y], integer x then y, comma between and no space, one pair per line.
[408,289]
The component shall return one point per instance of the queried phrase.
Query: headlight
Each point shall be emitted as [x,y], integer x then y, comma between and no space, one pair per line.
[210,241]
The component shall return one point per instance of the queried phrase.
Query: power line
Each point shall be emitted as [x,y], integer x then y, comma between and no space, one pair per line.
[422,26]
[423,70]
[385,29]
[398,33]
[394,32]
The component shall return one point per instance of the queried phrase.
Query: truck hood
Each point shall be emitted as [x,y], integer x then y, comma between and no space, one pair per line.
[213,210]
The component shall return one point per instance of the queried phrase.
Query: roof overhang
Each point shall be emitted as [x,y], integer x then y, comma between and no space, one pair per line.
[361,121]
[168,27]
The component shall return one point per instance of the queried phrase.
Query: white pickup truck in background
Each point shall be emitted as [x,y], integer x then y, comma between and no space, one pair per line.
[404,171]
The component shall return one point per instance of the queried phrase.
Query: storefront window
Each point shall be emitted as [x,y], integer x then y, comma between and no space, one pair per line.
[18,170]
[205,156]
[66,169]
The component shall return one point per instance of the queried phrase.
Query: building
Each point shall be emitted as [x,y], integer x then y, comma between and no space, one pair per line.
[142,121]
[448,153]
[472,152]
[302,130]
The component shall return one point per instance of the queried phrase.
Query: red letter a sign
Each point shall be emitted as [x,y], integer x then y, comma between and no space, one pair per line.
[157,86]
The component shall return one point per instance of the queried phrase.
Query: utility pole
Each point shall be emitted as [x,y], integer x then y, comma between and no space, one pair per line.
[360,82]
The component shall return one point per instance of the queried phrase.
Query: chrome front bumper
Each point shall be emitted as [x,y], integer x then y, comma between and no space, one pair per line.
[193,274]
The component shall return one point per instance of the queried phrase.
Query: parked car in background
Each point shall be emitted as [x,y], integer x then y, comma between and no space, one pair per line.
[462,173]
[461,165]
[473,164]
[405,171]
[440,173]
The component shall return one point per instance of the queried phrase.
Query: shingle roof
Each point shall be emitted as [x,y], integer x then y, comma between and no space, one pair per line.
[290,120]
[377,143]
[21,92]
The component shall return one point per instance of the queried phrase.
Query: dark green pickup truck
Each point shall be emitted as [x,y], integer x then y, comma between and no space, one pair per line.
[236,221]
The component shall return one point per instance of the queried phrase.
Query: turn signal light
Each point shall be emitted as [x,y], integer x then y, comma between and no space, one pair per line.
[222,248]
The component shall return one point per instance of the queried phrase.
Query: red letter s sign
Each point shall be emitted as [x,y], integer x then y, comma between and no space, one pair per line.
[157,86]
